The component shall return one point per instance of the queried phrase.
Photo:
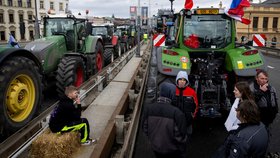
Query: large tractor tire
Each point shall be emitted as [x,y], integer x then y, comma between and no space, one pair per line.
[98,58]
[108,56]
[20,93]
[71,71]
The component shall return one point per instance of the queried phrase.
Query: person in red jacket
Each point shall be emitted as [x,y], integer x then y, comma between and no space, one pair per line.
[66,117]
[186,98]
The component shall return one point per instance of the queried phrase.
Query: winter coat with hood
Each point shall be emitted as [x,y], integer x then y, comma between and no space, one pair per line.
[165,125]
[186,98]
[248,141]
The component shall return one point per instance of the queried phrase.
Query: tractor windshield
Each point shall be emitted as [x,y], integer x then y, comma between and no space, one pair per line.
[207,31]
[99,31]
[54,26]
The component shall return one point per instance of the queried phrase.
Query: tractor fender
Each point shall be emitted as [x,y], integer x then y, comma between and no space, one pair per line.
[242,65]
[158,57]
[91,42]
[115,40]
[9,52]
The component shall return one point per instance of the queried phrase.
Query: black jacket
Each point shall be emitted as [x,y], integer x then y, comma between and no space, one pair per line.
[266,101]
[65,113]
[165,125]
[248,141]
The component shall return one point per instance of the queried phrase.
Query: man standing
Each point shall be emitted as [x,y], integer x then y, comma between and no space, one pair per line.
[265,97]
[165,125]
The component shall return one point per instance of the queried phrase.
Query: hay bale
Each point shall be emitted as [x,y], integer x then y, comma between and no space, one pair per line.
[52,145]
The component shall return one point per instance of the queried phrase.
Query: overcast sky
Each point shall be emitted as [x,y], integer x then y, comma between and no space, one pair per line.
[120,8]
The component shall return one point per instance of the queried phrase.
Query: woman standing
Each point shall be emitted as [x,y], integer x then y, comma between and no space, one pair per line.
[241,92]
[250,139]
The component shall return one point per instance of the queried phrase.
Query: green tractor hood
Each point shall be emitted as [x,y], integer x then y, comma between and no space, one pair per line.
[48,50]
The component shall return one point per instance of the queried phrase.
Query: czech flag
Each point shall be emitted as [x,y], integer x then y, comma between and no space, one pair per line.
[233,8]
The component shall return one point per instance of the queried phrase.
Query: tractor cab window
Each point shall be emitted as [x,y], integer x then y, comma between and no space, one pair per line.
[100,31]
[207,31]
[58,26]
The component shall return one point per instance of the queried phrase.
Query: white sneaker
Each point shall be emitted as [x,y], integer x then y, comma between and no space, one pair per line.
[89,142]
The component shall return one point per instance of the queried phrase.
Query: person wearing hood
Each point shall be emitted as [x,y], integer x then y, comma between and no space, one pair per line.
[186,98]
[165,125]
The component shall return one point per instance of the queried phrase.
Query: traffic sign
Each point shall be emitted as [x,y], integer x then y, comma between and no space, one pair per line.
[259,40]
[159,40]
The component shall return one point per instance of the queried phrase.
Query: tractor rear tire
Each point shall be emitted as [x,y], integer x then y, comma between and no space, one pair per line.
[70,71]
[108,56]
[98,58]
[20,93]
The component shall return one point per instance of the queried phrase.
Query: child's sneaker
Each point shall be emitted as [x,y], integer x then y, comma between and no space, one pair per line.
[89,142]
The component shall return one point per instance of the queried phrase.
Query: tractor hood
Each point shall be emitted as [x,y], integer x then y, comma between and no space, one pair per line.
[41,47]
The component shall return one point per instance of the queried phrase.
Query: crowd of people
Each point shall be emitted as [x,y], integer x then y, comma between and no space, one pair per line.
[168,122]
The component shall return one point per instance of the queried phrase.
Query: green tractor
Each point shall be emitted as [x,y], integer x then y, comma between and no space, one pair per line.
[66,55]
[112,43]
[202,42]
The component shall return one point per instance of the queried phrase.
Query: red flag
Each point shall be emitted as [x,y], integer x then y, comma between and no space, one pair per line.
[188,4]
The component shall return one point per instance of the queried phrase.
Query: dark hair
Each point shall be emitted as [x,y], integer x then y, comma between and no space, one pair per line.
[244,89]
[249,111]
[259,71]
[70,89]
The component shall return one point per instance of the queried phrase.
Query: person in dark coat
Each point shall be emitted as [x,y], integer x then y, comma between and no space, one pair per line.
[265,97]
[251,137]
[66,117]
[165,125]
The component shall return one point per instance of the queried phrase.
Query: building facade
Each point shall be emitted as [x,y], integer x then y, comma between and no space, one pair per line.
[264,20]
[16,13]
[12,13]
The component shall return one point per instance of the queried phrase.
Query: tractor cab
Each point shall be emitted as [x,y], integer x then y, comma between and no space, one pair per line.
[106,31]
[72,28]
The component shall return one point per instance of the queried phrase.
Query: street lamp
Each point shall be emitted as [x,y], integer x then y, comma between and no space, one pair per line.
[138,30]
[171,1]
[36,25]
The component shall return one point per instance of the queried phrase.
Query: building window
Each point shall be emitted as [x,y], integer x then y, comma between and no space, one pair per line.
[60,6]
[265,23]
[255,23]
[275,23]
[31,35]
[42,5]
[1,2]
[66,7]
[20,16]
[20,3]
[30,19]
[10,2]
[2,36]
[51,5]
[11,18]
[28,3]
[14,34]
[1,18]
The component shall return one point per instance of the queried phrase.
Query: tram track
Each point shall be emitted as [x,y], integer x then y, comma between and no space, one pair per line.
[14,145]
